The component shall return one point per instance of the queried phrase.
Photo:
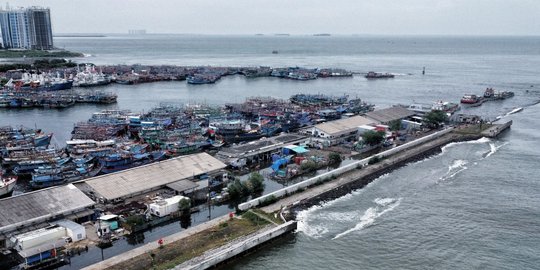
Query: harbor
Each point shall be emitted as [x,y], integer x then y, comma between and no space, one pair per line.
[286,128]
[144,170]
[301,196]
[122,200]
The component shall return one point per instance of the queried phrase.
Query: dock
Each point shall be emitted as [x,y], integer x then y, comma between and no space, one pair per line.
[495,130]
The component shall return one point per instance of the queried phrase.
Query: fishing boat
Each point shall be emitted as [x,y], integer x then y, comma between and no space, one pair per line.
[7,183]
[26,167]
[53,176]
[472,100]
[117,162]
[89,77]
[202,78]
[377,75]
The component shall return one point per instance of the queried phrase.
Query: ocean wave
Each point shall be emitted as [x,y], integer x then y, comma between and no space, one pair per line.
[493,149]
[384,205]
[456,167]
[479,141]
[311,214]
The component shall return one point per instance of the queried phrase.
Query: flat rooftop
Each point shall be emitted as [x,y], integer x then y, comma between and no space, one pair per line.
[267,143]
[390,114]
[344,125]
[40,206]
[137,180]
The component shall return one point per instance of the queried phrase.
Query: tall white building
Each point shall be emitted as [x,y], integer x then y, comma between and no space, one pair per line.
[26,28]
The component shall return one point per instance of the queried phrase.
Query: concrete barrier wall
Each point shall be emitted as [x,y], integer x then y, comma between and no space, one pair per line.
[225,254]
[341,170]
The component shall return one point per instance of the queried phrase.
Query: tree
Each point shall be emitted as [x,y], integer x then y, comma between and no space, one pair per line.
[395,125]
[256,183]
[435,118]
[373,137]
[238,191]
[308,166]
[334,158]
[184,205]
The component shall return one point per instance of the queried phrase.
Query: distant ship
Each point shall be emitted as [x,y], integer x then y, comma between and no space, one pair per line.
[376,75]
[322,35]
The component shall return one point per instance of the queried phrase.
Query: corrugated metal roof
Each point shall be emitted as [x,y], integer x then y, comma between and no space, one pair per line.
[39,206]
[139,179]
[390,114]
[182,185]
[343,125]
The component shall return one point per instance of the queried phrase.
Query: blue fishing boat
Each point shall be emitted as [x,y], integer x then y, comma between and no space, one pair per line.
[117,162]
[26,167]
[43,140]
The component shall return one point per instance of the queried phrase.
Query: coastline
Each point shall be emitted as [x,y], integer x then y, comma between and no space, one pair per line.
[15,54]
[291,205]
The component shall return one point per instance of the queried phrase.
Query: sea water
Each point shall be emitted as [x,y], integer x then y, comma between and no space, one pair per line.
[475,205]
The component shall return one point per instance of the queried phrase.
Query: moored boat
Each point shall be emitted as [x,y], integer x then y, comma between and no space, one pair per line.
[7,184]
[377,75]
[472,100]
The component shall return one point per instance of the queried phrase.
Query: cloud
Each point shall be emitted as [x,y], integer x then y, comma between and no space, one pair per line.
[297,17]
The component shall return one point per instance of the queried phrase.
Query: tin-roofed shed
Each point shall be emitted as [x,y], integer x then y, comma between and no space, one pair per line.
[34,208]
[150,177]
[385,116]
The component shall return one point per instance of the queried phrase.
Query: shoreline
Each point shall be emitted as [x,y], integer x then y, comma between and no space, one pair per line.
[333,189]
[376,172]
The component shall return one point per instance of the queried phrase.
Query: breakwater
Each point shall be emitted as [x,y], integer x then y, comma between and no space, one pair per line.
[222,254]
[344,169]
[352,177]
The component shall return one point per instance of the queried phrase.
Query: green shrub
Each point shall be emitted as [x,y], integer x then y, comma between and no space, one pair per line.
[334,158]
[374,160]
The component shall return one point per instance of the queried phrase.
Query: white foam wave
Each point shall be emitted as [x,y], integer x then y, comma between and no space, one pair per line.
[303,225]
[456,167]
[372,213]
[458,163]
[516,110]
[384,201]
[479,141]
[87,55]
[493,149]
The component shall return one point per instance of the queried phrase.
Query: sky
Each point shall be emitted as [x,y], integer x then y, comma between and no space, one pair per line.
[378,17]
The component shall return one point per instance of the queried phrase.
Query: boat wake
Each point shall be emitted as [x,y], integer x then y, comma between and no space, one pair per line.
[383,206]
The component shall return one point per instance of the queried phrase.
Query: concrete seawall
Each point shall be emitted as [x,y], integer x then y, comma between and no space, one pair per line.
[342,170]
[360,177]
[345,179]
[222,254]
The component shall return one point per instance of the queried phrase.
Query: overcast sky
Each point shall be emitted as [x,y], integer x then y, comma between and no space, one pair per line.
[387,17]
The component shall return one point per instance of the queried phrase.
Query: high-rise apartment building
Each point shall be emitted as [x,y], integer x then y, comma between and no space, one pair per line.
[26,28]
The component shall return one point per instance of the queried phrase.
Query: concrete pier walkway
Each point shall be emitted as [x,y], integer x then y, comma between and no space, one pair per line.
[154,245]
